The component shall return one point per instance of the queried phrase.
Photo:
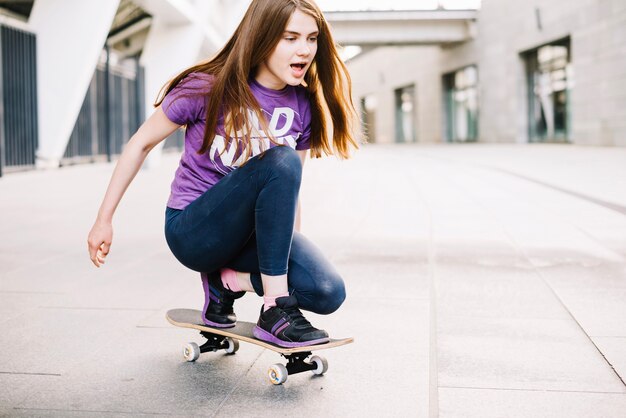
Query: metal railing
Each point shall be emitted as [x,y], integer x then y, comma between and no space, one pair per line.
[112,111]
[18,99]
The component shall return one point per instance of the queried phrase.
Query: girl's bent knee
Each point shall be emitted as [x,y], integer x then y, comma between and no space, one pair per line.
[284,158]
[330,296]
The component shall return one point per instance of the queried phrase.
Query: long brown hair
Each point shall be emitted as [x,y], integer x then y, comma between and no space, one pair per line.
[328,83]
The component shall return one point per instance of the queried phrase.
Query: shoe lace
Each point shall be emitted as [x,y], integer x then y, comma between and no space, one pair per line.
[296,317]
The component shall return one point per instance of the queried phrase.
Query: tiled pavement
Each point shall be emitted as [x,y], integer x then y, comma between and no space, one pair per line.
[483,281]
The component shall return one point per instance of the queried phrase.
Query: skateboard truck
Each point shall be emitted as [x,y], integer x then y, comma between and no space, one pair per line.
[217,342]
[191,351]
[296,362]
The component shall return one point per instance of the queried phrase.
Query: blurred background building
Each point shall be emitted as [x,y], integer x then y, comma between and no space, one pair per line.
[533,71]
[78,78]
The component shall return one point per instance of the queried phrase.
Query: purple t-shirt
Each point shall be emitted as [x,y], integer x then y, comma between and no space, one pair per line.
[288,114]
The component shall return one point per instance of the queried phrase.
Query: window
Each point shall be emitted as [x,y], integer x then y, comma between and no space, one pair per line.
[405,114]
[461,93]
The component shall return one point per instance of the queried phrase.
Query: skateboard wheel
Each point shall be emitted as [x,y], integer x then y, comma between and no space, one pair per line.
[321,363]
[233,346]
[278,374]
[191,352]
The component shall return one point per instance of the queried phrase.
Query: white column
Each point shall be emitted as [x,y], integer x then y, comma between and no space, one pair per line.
[70,38]
[182,34]
[177,35]
[169,49]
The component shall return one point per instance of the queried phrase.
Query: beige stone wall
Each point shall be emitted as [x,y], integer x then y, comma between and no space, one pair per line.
[384,70]
[599,51]
[506,28]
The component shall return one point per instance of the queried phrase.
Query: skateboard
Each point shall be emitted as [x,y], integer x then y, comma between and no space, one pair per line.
[227,339]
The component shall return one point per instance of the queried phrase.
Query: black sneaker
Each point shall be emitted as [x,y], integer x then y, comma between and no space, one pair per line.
[218,302]
[284,325]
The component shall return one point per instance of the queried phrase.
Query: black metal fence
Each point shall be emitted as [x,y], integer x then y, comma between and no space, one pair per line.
[112,111]
[18,99]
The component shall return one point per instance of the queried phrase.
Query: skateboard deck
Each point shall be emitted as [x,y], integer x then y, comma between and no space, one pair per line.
[228,340]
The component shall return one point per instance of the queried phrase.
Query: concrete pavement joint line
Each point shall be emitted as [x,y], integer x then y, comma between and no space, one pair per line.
[620,209]
[433,368]
[32,374]
[520,250]
[606,204]
[533,390]
[540,274]
[609,205]
[153,327]
[96,411]
[26,292]
[362,298]
[561,301]
[87,308]
[525,317]
[433,373]
[239,382]
[608,336]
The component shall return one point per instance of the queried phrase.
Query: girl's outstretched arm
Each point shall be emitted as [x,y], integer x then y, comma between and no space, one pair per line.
[152,131]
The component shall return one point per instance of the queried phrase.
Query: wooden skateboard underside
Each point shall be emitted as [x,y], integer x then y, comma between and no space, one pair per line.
[242,331]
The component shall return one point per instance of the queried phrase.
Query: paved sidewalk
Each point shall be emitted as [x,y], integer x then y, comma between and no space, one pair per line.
[497,271]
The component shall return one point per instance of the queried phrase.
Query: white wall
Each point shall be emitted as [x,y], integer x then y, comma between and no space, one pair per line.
[383,70]
[70,37]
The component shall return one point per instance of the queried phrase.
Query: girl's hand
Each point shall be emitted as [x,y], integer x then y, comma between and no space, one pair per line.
[99,242]
[154,130]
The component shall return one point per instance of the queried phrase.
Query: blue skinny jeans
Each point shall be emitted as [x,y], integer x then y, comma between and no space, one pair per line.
[245,222]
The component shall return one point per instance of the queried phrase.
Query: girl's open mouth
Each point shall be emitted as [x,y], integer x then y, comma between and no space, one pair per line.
[298,69]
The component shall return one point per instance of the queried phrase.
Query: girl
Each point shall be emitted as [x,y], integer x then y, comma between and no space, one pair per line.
[251,113]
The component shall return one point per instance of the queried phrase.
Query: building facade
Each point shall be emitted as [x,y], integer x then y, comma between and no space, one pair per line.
[538,71]
[78,78]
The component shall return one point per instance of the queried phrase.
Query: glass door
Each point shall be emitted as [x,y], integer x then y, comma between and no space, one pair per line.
[461,101]
[405,114]
[550,79]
